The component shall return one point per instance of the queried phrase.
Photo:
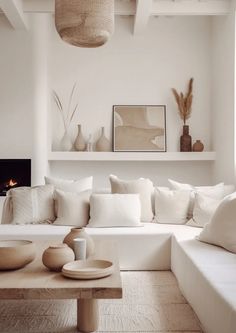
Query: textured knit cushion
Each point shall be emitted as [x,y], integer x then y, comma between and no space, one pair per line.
[203,210]
[171,206]
[114,210]
[141,186]
[79,185]
[72,208]
[222,228]
[32,204]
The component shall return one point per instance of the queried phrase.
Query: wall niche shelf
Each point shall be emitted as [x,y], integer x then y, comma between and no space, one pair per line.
[132,156]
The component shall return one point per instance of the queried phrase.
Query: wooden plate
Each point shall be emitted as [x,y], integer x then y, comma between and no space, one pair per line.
[88,269]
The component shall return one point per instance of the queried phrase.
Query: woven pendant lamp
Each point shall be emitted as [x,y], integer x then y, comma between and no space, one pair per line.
[85,23]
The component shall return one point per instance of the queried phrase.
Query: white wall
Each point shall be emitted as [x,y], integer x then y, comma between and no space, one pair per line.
[15,92]
[223,85]
[137,70]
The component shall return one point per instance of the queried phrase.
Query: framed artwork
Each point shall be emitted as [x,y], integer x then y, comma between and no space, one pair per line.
[139,128]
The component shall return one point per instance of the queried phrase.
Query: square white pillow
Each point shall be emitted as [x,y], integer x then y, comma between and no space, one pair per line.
[114,210]
[221,230]
[203,210]
[143,187]
[66,185]
[32,204]
[72,208]
[215,192]
[171,206]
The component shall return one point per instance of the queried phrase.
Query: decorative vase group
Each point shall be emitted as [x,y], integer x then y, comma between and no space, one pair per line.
[80,233]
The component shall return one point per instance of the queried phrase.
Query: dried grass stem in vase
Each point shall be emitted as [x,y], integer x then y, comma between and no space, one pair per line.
[184,102]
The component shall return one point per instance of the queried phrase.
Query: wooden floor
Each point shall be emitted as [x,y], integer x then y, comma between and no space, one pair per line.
[151,302]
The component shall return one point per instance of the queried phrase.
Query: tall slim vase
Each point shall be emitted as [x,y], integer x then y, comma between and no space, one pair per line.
[103,143]
[80,143]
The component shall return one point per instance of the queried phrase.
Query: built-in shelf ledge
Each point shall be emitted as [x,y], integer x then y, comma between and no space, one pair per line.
[131,156]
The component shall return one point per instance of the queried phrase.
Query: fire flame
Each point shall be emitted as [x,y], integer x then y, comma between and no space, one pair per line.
[11,183]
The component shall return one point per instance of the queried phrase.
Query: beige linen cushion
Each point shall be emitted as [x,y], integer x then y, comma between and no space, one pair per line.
[32,204]
[143,187]
[66,185]
[72,208]
[171,206]
[115,210]
[215,192]
[221,230]
[203,210]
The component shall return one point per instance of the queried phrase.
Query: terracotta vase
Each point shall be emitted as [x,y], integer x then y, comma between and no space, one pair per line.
[80,143]
[80,233]
[56,256]
[198,146]
[185,140]
[66,143]
[103,143]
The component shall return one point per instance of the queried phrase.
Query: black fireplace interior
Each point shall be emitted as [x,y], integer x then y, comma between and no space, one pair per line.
[14,173]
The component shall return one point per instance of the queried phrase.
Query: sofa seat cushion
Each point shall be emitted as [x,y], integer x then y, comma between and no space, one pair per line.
[144,248]
[207,278]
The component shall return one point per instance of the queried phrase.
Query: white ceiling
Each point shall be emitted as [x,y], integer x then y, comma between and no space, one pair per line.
[15,10]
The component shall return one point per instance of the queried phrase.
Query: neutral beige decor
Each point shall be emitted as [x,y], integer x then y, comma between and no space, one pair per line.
[72,208]
[221,230]
[139,128]
[143,187]
[88,269]
[85,23]
[151,303]
[80,233]
[34,282]
[56,256]
[15,254]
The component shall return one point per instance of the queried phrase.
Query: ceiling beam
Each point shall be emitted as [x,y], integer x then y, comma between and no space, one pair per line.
[143,12]
[13,9]
[159,7]
[190,7]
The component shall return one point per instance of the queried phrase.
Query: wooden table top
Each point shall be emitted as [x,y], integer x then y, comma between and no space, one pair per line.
[35,281]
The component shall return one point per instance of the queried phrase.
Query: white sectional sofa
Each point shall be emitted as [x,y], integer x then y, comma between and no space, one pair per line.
[206,274]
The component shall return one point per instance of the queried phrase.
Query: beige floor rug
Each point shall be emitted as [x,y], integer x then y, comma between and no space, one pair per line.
[151,302]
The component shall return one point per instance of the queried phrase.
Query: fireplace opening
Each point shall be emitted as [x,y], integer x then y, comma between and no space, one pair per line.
[14,173]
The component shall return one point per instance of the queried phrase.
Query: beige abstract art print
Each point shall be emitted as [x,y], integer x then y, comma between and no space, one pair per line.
[139,128]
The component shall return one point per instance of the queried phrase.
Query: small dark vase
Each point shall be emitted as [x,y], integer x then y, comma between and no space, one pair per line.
[185,140]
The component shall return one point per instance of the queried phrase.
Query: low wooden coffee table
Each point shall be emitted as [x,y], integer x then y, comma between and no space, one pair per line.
[36,282]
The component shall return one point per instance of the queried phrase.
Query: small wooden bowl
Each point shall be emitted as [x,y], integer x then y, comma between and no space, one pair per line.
[15,254]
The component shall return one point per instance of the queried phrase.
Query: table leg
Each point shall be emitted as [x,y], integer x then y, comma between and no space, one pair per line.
[87,315]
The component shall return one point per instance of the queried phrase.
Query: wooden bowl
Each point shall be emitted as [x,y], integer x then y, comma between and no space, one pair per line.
[15,254]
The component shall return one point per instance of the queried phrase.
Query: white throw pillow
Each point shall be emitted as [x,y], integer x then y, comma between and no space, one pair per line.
[171,206]
[32,204]
[66,185]
[215,192]
[221,230]
[203,210]
[141,186]
[115,210]
[72,208]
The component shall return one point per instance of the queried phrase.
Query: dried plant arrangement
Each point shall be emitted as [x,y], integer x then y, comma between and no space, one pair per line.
[184,102]
[69,113]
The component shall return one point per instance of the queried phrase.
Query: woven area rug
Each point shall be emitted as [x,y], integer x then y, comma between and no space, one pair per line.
[151,302]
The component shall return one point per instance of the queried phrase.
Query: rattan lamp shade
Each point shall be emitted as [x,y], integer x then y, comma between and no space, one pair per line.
[85,23]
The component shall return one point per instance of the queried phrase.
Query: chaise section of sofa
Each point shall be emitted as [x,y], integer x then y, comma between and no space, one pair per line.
[207,278]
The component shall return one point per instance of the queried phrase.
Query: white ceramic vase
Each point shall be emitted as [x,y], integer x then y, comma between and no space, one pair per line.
[66,143]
